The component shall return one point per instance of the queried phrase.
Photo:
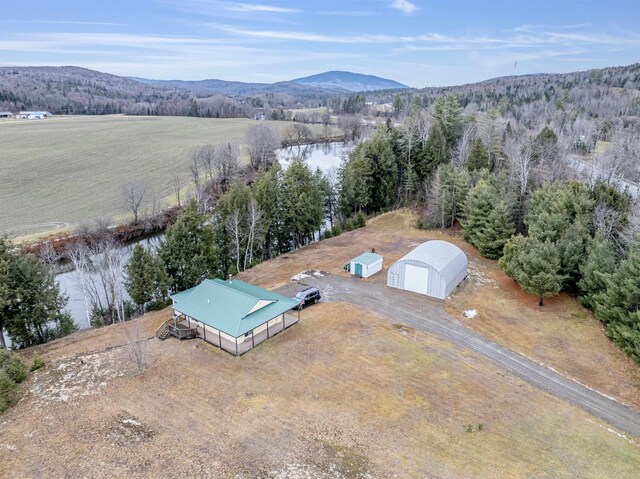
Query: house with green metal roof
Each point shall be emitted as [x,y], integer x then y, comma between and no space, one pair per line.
[234,315]
[366,264]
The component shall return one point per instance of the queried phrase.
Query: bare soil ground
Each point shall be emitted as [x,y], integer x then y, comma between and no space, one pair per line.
[342,394]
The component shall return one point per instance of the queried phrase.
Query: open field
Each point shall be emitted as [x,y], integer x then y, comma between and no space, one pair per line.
[343,394]
[60,172]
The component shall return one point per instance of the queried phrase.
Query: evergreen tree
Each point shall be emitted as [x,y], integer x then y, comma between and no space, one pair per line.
[479,157]
[147,281]
[488,220]
[302,203]
[434,153]
[378,153]
[34,307]
[619,305]
[266,191]
[535,265]
[448,114]
[188,252]
[601,261]
[355,178]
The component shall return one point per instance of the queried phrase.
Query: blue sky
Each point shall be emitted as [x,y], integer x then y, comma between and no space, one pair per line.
[417,42]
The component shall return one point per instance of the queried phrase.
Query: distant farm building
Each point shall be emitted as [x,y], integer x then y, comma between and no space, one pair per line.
[34,115]
[365,265]
[6,114]
[434,268]
[233,315]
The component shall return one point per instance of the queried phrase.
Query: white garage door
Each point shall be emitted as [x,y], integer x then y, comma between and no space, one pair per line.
[415,278]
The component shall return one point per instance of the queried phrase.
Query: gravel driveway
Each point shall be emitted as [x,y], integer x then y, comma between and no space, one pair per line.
[425,314]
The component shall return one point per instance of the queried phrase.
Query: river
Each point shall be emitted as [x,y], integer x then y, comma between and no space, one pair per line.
[327,157]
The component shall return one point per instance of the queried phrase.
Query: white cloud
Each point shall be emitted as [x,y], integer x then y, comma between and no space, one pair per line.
[403,6]
[252,7]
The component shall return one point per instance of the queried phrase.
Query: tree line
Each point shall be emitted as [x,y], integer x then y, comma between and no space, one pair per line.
[518,198]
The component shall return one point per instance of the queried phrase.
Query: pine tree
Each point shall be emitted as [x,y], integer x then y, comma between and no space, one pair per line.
[188,252]
[434,153]
[535,265]
[619,305]
[479,157]
[496,232]
[140,276]
[302,203]
[147,281]
[601,261]
[34,312]
[383,166]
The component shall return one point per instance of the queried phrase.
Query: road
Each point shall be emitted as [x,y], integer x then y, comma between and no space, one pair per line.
[425,314]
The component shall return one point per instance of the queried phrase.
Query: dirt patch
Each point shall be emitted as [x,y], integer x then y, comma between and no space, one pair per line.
[126,428]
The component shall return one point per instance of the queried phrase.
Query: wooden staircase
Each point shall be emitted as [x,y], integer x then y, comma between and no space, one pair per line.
[163,331]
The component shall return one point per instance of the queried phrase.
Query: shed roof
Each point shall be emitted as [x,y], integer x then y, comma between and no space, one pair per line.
[234,307]
[367,258]
[442,256]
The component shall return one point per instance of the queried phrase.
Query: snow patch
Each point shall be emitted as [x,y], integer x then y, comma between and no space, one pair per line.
[470,313]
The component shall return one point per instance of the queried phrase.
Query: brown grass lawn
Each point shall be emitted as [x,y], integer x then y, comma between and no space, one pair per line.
[308,403]
[562,334]
[342,394]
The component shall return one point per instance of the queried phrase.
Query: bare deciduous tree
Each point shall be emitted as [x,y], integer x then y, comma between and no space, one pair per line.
[226,164]
[254,226]
[207,154]
[134,195]
[177,187]
[462,150]
[262,142]
[137,344]
[520,154]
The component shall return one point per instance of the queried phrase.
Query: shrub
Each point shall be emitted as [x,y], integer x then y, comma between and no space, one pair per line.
[36,362]
[8,394]
[361,220]
[16,369]
[336,231]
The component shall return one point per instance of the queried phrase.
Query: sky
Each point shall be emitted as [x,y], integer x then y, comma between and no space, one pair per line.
[416,42]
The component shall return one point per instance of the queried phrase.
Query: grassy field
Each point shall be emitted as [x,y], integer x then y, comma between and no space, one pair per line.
[60,172]
[343,394]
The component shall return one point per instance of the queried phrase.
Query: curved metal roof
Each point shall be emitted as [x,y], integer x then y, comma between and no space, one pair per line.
[442,256]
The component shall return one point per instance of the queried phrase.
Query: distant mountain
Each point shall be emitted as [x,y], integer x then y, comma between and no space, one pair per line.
[338,80]
[236,88]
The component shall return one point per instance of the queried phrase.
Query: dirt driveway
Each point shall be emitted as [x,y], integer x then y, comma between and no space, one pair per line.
[425,314]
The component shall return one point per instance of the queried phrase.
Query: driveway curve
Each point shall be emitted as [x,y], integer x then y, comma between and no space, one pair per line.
[425,314]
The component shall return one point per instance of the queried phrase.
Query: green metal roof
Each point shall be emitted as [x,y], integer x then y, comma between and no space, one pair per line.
[367,258]
[234,307]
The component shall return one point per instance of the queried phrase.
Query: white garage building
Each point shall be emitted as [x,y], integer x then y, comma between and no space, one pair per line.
[434,268]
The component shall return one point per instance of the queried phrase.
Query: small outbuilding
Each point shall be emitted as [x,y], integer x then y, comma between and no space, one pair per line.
[434,268]
[6,114]
[233,315]
[366,264]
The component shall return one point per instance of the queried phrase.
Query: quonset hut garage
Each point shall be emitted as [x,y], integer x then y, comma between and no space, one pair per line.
[434,268]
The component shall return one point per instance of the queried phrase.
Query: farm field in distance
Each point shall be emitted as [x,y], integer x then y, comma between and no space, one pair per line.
[63,171]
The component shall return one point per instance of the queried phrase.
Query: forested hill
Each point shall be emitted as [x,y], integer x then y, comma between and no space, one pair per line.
[74,90]
[236,88]
[348,81]
[603,93]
